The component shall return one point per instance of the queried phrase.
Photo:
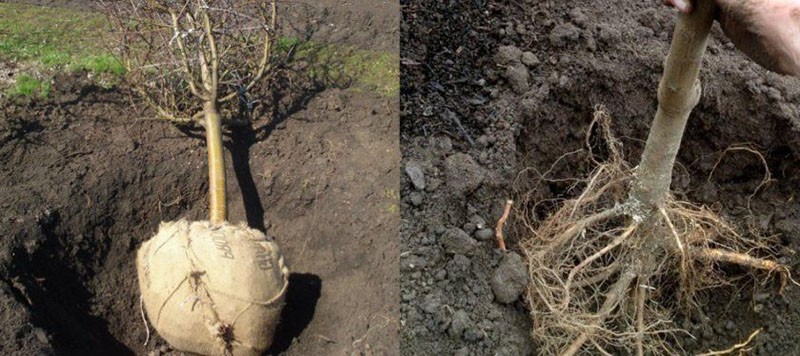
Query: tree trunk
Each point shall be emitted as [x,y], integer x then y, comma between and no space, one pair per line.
[678,93]
[216,165]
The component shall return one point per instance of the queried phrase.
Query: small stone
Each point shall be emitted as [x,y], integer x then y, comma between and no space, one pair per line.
[415,198]
[459,323]
[758,308]
[494,314]
[456,241]
[774,94]
[483,158]
[463,174]
[479,222]
[464,351]
[578,17]
[509,279]
[414,172]
[507,55]
[407,297]
[563,34]
[730,325]
[41,335]
[433,184]
[484,234]
[458,265]
[441,145]
[591,43]
[529,59]
[412,263]
[469,228]
[473,334]
[517,76]
[431,303]
[563,81]
[609,35]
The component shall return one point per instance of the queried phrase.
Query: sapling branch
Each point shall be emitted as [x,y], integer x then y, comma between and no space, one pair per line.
[184,53]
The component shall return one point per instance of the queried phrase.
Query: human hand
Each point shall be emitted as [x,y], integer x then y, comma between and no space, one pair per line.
[767,31]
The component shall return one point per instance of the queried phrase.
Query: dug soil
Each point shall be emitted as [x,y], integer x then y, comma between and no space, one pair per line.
[497,94]
[85,178]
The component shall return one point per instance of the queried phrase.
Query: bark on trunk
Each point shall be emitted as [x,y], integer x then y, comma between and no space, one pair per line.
[678,94]
[216,165]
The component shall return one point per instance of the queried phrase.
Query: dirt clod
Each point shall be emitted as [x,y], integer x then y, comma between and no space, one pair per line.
[508,55]
[463,174]
[563,34]
[484,234]
[457,241]
[517,76]
[529,59]
[459,324]
[510,278]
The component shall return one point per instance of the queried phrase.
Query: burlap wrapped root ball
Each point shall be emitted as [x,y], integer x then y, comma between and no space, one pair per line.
[212,291]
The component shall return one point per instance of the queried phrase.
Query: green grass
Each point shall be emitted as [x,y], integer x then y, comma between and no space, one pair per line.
[62,39]
[361,69]
[376,70]
[28,86]
[55,38]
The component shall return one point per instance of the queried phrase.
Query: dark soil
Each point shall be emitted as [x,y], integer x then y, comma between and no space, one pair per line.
[85,180]
[494,93]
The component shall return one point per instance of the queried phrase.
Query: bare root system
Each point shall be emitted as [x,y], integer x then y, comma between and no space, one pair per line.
[608,273]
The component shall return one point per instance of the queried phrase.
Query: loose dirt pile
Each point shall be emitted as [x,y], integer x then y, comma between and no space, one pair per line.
[494,94]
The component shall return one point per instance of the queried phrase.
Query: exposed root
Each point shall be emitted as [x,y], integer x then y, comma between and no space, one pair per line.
[614,295]
[742,346]
[498,232]
[614,243]
[608,274]
[640,297]
[747,148]
[718,255]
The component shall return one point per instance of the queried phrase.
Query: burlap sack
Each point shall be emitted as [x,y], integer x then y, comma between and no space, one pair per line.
[212,291]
